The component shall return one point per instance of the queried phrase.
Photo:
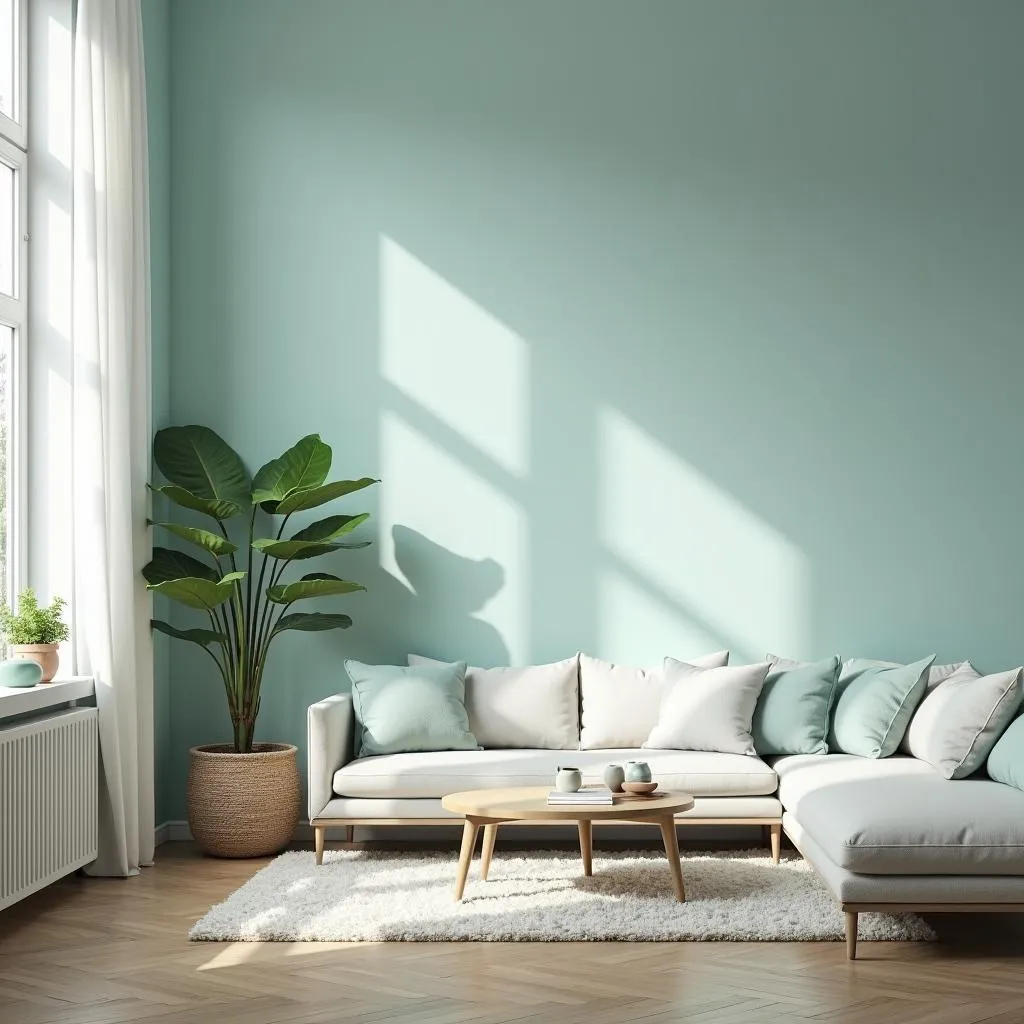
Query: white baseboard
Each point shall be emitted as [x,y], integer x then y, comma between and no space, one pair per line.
[179,832]
[172,832]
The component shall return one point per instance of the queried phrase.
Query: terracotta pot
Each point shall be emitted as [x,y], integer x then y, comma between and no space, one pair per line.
[243,805]
[44,655]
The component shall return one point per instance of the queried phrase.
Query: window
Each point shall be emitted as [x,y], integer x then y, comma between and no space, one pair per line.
[13,306]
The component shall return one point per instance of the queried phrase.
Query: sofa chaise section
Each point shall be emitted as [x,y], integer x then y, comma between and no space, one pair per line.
[406,789]
[893,835]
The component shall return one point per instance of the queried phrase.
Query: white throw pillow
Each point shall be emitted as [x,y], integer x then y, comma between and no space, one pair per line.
[707,708]
[535,707]
[620,704]
[958,723]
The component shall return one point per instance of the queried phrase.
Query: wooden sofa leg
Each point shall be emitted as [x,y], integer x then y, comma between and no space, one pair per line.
[776,842]
[851,935]
[319,834]
[350,834]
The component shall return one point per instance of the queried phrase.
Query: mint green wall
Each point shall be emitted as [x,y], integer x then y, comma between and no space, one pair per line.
[156,39]
[669,326]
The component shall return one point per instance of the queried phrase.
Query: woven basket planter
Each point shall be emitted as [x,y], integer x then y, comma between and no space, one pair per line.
[243,805]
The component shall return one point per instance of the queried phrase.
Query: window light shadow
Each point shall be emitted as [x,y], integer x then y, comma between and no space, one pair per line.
[454,358]
[697,544]
[436,518]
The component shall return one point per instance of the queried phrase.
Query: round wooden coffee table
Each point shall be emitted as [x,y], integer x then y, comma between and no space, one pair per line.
[491,807]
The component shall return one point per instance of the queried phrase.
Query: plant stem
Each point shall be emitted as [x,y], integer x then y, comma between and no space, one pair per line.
[250,614]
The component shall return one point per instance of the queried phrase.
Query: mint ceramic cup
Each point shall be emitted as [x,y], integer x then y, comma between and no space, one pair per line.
[638,771]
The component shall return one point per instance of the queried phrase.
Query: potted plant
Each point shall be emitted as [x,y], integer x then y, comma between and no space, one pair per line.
[243,797]
[33,633]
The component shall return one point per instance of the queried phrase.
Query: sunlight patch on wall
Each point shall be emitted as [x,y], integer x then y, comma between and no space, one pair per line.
[465,542]
[58,96]
[638,627]
[698,545]
[453,357]
[58,269]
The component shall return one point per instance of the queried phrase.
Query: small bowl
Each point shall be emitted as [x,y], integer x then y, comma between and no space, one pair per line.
[640,788]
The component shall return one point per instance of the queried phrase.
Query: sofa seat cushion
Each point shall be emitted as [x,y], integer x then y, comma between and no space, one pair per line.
[901,817]
[800,774]
[438,773]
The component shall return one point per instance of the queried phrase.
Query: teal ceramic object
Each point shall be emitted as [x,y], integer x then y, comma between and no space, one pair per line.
[20,672]
[638,771]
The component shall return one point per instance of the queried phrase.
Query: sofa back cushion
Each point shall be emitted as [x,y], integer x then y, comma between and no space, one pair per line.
[707,708]
[958,723]
[792,712]
[620,703]
[1006,762]
[875,705]
[535,707]
[404,709]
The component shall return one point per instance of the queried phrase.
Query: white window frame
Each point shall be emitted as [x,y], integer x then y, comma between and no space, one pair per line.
[16,129]
[14,314]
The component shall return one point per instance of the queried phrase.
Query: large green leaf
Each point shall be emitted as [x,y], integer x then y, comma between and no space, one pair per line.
[317,584]
[186,499]
[331,527]
[299,501]
[201,461]
[199,593]
[203,637]
[168,564]
[212,542]
[304,465]
[291,549]
[312,622]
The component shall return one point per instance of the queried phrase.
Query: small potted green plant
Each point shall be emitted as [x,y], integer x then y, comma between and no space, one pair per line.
[33,632]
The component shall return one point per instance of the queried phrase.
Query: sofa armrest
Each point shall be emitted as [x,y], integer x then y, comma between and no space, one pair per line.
[330,727]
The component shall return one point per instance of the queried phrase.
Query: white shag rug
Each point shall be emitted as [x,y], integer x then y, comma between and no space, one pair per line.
[367,896]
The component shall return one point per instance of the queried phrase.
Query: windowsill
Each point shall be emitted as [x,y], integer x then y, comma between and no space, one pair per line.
[27,699]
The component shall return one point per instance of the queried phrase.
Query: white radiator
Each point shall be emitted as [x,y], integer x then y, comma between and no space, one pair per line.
[48,799]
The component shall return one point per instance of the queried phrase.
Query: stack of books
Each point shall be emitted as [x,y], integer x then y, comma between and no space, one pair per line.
[587,797]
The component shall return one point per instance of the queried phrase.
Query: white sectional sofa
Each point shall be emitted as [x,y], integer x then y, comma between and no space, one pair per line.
[890,834]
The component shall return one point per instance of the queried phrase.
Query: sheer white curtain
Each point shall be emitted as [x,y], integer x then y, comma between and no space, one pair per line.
[111,402]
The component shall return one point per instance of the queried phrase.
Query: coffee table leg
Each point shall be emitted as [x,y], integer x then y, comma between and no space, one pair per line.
[668,835]
[469,831]
[587,846]
[490,834]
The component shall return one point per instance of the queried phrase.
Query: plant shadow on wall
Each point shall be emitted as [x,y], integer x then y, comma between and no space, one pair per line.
[445,595]
[243,585]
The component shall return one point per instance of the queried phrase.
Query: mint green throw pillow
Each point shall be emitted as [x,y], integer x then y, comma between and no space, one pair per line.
[1006,762]
[792,712]
[422,707]
[874,706]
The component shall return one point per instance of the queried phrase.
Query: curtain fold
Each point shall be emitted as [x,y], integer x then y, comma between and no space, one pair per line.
[111,417]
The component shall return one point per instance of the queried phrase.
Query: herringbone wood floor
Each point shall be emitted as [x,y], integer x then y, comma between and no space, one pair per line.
[103,951]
